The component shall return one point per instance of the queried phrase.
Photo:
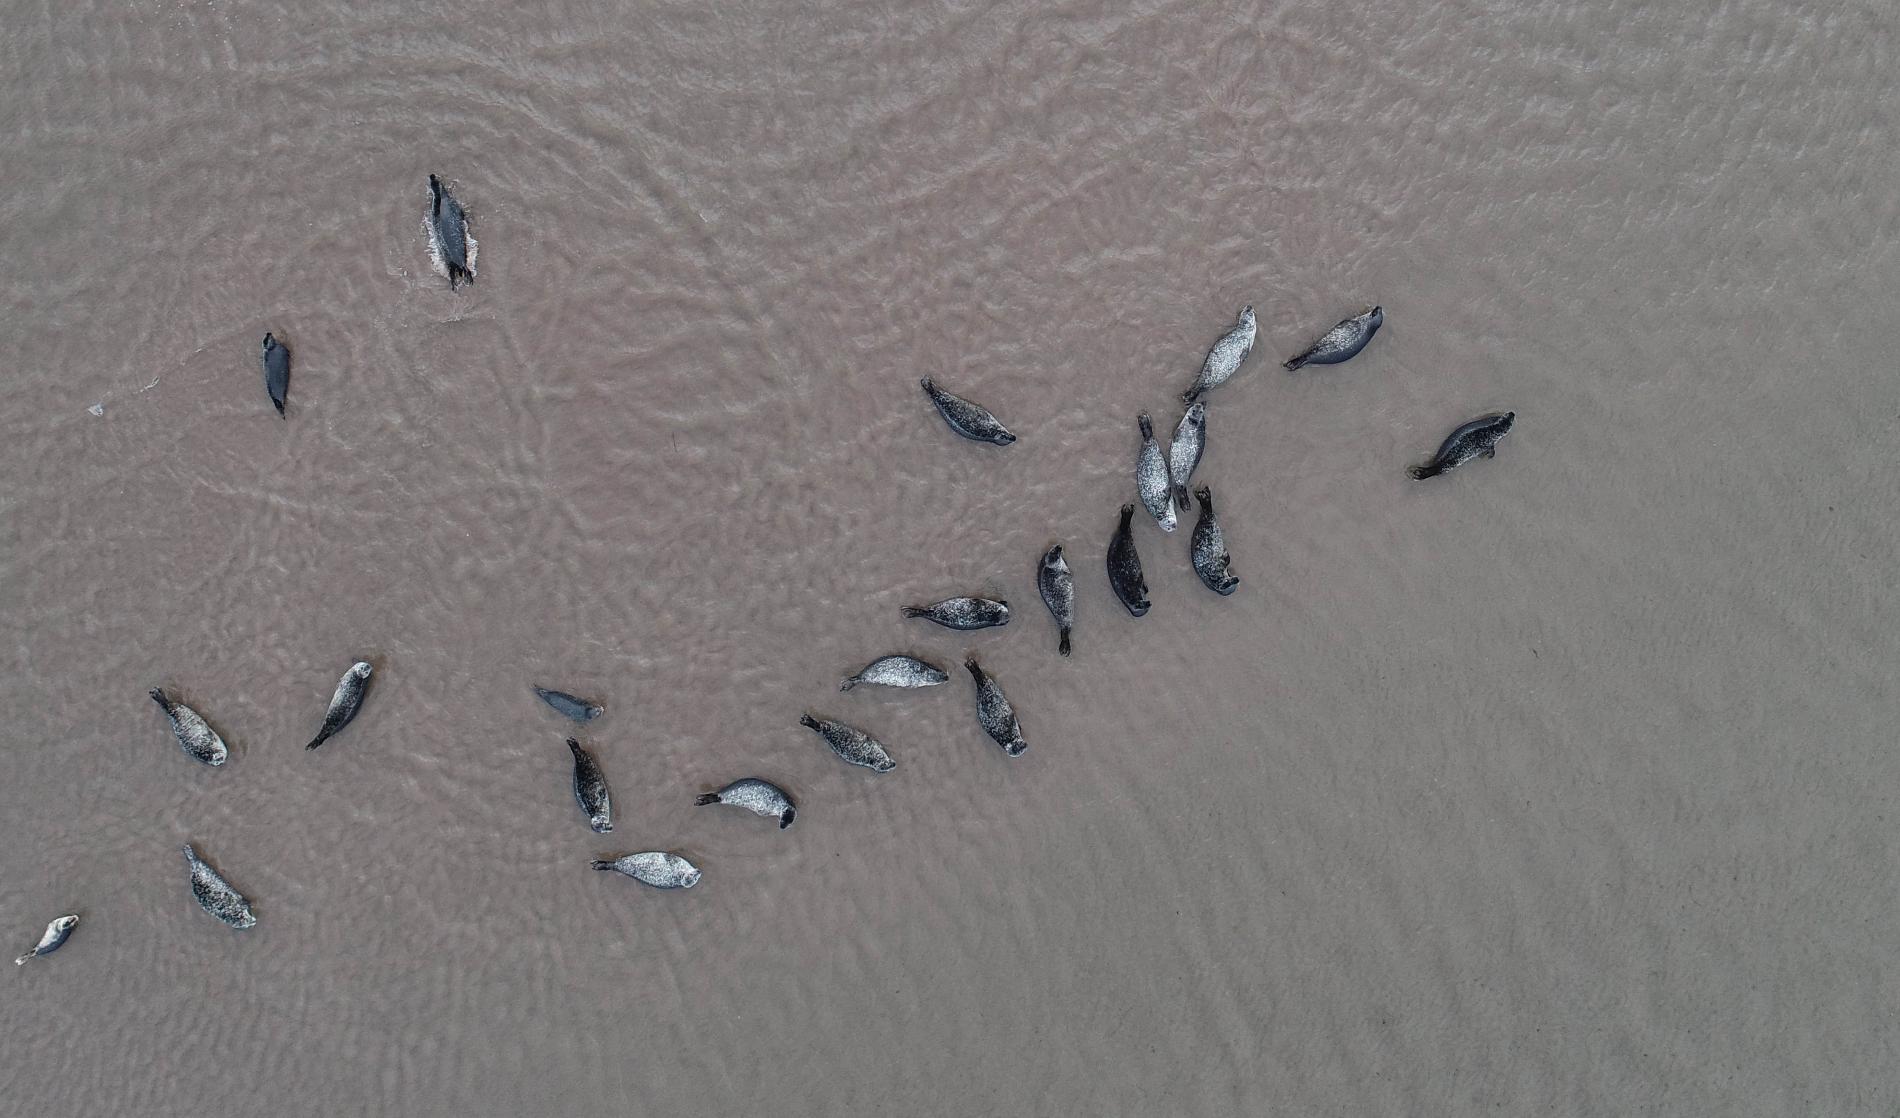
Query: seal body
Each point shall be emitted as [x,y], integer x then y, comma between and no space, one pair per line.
[963,613]
[1209,550]
[1476,439]
[898,671]
[53,940]
[760,797]
[1151,477]
[1124,566]
[851,744]
[1223,361]
[590,789]
[995,714]
[1343,341]
[1057,584]
[658,868]
[580,710]
[450,246]
[970,420]
[344,703]
[1184,453]
[215,894]
[276,372]
[199,741]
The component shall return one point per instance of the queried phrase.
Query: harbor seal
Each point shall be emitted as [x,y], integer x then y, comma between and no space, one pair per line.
[1184,453]
[344,704]
[1151,477]
[898,671]
[972,421]
[658,868]
[578,709]
[850,743]
[963,613]
[760,797]
[215,894]
[1124,567]
[994,713]
[53,940]
[1210,548]
[1476,439]
[590,789]
[1057,585]
[1223,361]
[1342,342]
[196,737]
[276,372]
[450,247]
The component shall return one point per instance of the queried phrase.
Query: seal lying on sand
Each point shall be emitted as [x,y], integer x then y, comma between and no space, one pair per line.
[590,789]
[657,868]
[1210,548]
[1342,341]
[276,372]
[994,713]
[1057,585]
[963,613]
[851,744]
[195,736]
[1151,477]
[450,246]
[1476,439]
[52,941]
[1124,566]
[898,671]
[972,421]
[344,703]
[760,797]
[1223,361]
[215,894]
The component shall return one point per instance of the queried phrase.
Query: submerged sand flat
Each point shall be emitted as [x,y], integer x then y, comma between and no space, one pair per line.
[1565,784]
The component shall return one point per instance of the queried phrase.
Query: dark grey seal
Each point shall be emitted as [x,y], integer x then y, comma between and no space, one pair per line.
[1210,548]
[276,372]
[344,704]
[590,789]
[1057,585]
[450,246]
[579,709]
[1124,567]
[1223,361]
[657,868]
[995,714]
[760,797]
[1184,453]
[199,741]
[1151,477]
[1476,439]
[215,894]
[1343,341]
[963,613]
[851,743]
[972,421]
[898,671]
[52,941]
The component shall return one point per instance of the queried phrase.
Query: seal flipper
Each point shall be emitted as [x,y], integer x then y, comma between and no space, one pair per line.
[1064,648]
[916,611]
[600,865]
[1181,500]
[785,820]
[1429,469]
[158,697]
[706,798]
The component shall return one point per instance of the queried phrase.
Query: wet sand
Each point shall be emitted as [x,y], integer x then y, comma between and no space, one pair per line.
[1561,785]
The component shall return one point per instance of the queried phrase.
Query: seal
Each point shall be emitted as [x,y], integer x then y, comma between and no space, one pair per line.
[276,372]
[1210,548]
[199,741]
[1124,567]
[580,710]
[850,743]
[590,789]
[1184,453]
[994,713]
[657,868]
[1223,361]
[450,246]
[972,421]
[760,797]
[1057,586]
[1476,439]
[1151,477]
[1343,341]
[963,613]
[215,894]
[344,704]
[53,940]
[898,671]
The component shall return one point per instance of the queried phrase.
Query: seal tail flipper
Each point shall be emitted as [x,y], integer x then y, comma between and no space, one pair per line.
[707,798]
[1192,394]
[808,721]
[1064,648]
[158,697]
[1420,473]
[21,961]
[600,865]
[785,820]
[1181,500]
[318,740]
[850,683]
[1147,426]
[1293,363]
[280,409]
[916,611]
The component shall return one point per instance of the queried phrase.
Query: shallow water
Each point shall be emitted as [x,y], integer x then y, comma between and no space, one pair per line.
[1563,784]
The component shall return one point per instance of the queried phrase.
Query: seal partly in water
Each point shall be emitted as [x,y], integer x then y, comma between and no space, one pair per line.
[1343,341]
[450,246]
[1210,548]
[1124,567]
[963,613]
[1476,439]
[276,372]
[590,789]
[1184,453]
[344,704]
[1223,361]
[580,710]
[1151,477]
[760,797]
[995,714]
[851,743]
[657,868]
[215,894]
[972,421]
[1057,585]
[195,736]
[53,940]
[898,671]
